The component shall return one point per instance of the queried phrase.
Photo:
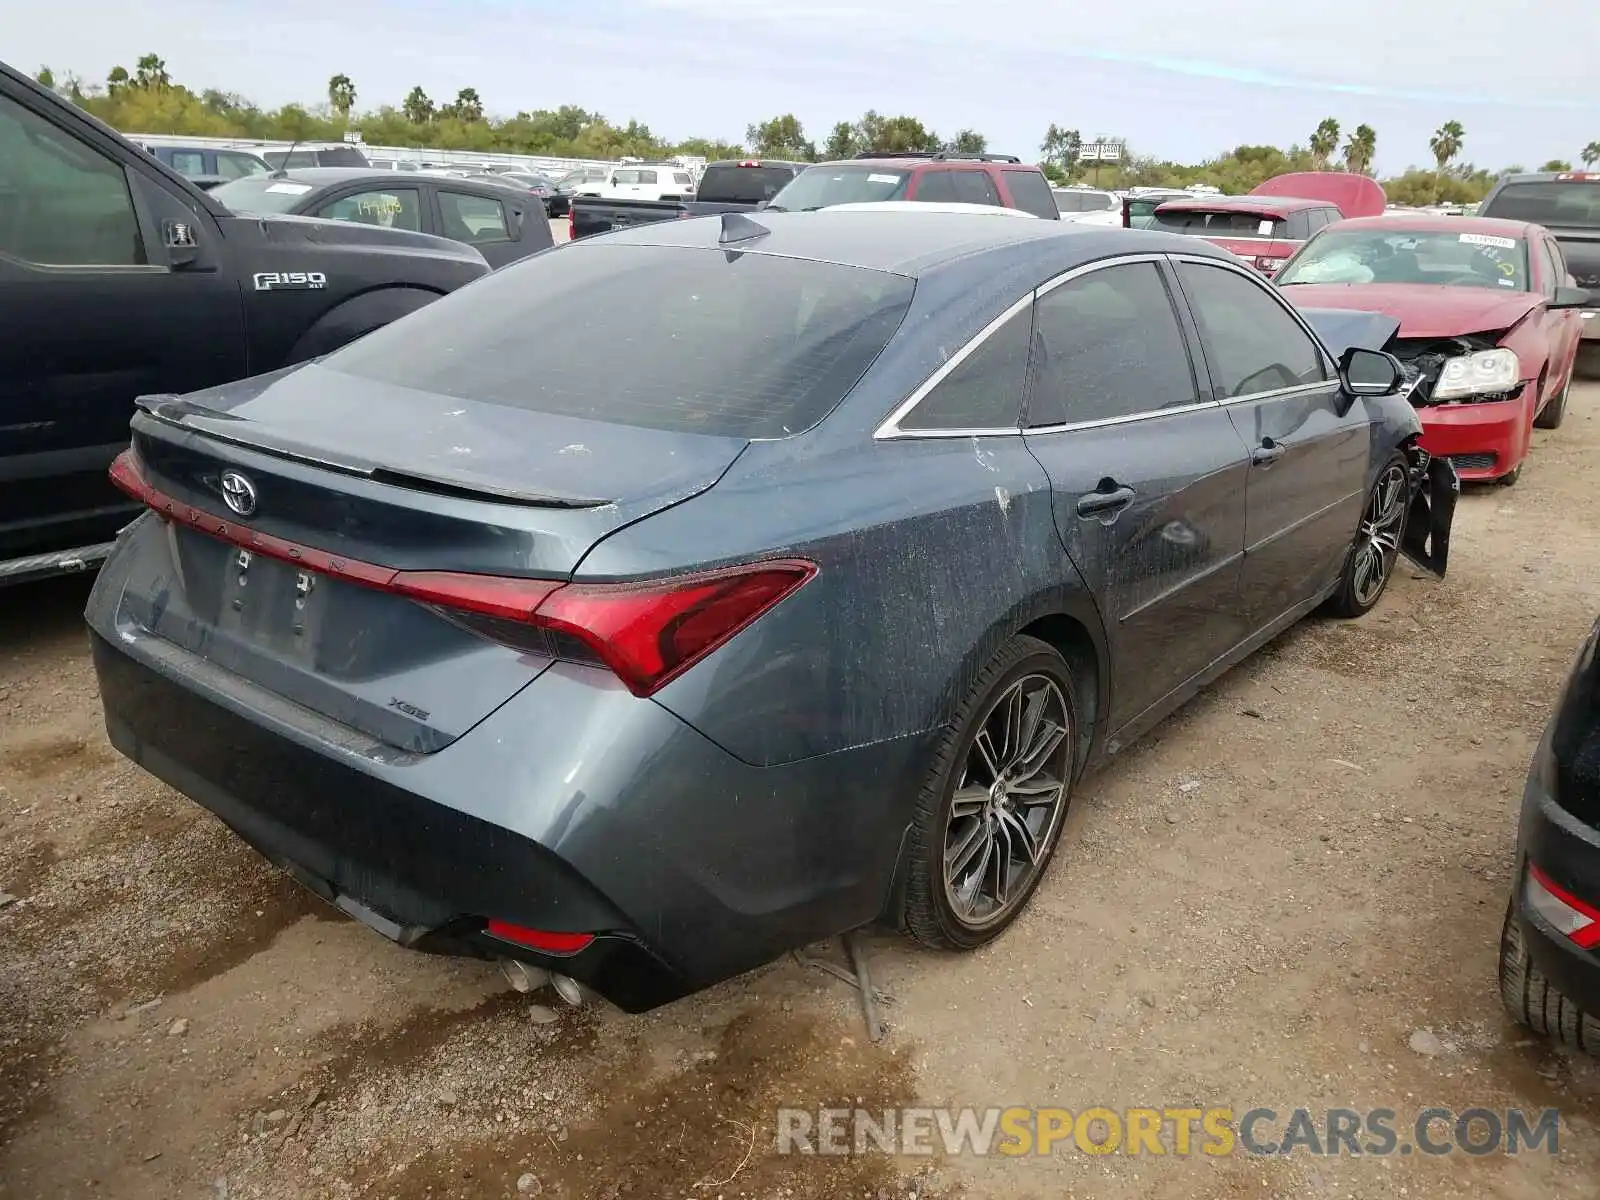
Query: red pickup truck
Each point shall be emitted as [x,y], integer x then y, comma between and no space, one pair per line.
[1267,226]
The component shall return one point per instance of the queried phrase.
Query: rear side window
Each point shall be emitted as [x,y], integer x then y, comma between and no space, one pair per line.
[688,340]
[729,183]
[1030,192]
[984,391]
[188,162]
[975,187]
[232,165]
[472,218]
[64,203]
[682,179]
[1109,345]
[1252,345]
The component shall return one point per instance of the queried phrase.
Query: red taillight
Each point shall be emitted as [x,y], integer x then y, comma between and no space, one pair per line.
[750,163]
[538,939]
[648,633]
[487,595]
[572,222]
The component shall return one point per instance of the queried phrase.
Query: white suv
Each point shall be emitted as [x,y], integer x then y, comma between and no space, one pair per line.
[648,181]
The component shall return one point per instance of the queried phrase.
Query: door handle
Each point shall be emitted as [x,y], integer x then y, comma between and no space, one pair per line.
[1101,503]
[1268,452]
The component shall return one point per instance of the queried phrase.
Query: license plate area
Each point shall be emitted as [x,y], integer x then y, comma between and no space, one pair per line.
[273,604]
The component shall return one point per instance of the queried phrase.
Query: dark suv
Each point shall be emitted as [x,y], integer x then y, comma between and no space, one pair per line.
[1001,180]
[1567,203]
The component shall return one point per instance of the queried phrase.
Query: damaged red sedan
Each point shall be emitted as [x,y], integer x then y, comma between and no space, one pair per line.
[1481,313]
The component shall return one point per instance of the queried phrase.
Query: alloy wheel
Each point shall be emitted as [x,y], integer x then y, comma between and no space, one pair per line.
[1009,797]
[1378,540]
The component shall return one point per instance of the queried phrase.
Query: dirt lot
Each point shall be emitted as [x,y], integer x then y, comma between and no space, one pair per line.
[1261,905]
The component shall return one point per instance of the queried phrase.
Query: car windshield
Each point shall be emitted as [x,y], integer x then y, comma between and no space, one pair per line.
[1558,203]
[1410,256]
[690,340]
[1069,200]
[1218,222]
[261,194]
[822,185]
[730,183]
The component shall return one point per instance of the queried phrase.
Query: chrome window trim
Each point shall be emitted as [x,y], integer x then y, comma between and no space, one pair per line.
[890,429]
[1277,297]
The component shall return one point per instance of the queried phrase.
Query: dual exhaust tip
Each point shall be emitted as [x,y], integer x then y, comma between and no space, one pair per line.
[525,978]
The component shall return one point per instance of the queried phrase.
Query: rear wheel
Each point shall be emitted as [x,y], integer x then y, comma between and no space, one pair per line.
[1370,562]
[1511,476]
[991,811]
[1531,999]
[1556,410]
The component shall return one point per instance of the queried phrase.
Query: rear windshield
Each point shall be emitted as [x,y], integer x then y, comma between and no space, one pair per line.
[1072,201]
[688,340]
[820,186]
[1573,203]
[261,194]
[1226,223]
[729,183]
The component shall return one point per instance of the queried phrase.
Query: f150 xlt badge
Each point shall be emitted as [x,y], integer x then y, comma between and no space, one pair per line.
[290,281]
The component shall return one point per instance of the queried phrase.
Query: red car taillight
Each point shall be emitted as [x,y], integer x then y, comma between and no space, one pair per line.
[572,221]
[647,632]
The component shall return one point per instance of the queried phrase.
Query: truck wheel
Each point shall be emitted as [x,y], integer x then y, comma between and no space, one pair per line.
[1531,1000]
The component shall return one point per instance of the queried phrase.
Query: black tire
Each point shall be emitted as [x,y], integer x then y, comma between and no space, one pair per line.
[1531,1000]
[1556,410]
[927,912]
[1355,596]
[1510,478]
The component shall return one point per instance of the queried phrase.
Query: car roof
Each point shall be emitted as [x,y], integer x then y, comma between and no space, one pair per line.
[1426,222]
[327,176]
[1583,176]
[945,206]
[915,241]
[1269,206]
[910,162]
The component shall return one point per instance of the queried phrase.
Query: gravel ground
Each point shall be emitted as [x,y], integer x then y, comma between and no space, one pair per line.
[1269,902]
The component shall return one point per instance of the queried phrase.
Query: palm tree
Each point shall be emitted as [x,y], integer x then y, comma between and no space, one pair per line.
[1324,142]
[1359,150]
[151,72]
[1591,154]
[417,107]
[468,107]
[1445,145]
[342,95]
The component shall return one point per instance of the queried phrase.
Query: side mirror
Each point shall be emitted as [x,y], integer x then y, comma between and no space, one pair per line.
[1365,372]
[182,244]
[1572,297]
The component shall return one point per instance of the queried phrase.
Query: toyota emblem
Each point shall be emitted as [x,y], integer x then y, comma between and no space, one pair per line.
[238,493]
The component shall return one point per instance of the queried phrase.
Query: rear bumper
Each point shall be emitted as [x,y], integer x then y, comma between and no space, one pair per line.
[1568,852]
[1482,441]
[574,807]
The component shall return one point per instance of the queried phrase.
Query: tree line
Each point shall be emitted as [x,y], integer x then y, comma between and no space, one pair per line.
[148,100]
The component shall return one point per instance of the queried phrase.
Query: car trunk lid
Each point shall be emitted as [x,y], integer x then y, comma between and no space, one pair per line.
[281,550]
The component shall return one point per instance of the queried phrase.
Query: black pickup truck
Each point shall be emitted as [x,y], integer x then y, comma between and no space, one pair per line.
[1567,203]
[727,186]
[119,277]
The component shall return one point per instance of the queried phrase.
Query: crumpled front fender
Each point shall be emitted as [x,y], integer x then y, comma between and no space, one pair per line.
[1435,487]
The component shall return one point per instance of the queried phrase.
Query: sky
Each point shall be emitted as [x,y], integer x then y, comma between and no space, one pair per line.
[1181,79]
